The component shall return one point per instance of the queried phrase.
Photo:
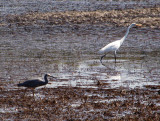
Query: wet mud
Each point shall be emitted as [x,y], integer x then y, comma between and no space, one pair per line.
[64,42]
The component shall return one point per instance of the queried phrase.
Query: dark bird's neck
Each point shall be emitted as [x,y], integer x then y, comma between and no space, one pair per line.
[46,80]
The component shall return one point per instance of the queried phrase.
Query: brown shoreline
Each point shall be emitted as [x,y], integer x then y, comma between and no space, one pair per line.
[149,17]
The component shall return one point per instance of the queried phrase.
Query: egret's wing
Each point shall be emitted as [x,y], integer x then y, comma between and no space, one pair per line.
[110,47]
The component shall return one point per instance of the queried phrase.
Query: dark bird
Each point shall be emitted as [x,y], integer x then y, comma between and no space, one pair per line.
[34,83]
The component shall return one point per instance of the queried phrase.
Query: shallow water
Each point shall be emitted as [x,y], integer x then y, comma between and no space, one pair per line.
[71,56]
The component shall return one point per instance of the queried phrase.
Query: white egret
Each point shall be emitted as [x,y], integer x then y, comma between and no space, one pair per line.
[114,46]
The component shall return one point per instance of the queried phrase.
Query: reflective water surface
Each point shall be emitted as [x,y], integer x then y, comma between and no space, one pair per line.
[71,56]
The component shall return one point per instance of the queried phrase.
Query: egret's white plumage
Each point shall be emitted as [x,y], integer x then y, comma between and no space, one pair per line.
[114,46]
[110,47]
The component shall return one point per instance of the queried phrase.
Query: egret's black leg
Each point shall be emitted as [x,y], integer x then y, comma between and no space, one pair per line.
[115,56]
[102,58]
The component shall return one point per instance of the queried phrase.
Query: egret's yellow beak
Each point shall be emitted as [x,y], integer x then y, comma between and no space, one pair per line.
[139,25]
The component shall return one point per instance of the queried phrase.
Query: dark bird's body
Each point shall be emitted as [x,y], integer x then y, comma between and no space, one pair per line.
[34,83]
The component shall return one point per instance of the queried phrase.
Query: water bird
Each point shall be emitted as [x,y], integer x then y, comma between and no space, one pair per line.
[35,83]
[114,46]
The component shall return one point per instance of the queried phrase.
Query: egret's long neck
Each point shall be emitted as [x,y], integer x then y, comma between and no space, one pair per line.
[125,34]
[46,80]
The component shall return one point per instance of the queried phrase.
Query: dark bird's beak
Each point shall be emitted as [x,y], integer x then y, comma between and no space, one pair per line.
[53,76]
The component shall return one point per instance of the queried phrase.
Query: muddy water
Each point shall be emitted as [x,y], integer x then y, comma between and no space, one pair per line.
[71,55]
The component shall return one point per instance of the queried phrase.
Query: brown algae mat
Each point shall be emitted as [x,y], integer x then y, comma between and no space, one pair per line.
[68,103]
[149,17]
